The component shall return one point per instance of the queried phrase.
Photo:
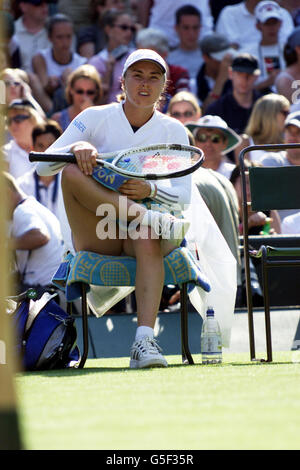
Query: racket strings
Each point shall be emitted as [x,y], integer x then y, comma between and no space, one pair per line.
[158,162]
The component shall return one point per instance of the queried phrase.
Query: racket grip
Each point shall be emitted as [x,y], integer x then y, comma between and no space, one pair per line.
[52,157]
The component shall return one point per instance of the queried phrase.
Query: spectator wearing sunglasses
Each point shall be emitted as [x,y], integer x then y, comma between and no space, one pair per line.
[84,89]
[53,64]
[21,119]
[91,39]
[216,139]
[18,85]
[184,107]
[119,29]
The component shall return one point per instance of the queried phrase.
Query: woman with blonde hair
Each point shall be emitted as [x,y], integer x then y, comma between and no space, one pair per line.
[84,89]
[22,118]
[266,124]
[184,106]
[20,85]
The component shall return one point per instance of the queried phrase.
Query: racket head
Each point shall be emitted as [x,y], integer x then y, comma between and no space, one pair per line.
[159,161]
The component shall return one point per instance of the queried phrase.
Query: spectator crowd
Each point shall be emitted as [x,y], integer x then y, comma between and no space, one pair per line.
[233,80]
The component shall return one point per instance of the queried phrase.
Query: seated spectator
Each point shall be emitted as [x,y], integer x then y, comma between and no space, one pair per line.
[291,224]
[221,199]
[256,220]
[119,29]
[266,124]
[287,79]
[10,55]
[188,27]
[91,39]
[21,120]
[269,50]
[84,89]
[45,189]
[238,24]
[212,78]
[184,107]
[30,31]
[17,86]
[288,157]
[161,15]
[178,77]
[35,237]
[53,65]
[216,139]
[235,107]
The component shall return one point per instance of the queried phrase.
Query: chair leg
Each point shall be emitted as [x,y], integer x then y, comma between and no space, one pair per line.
[85,333]
[186,355]
[266,304]
[249,304]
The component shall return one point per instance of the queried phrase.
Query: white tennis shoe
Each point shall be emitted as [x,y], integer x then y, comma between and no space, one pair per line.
[167,226]
[145,352]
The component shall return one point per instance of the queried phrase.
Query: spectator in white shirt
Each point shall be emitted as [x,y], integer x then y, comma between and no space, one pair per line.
[54,64]
[215,138]
[21,119]
[238,24]
[30,31]
[188,53]
[45,189]
[269,50]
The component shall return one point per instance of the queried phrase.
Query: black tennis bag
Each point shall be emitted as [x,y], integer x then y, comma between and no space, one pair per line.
[45,334]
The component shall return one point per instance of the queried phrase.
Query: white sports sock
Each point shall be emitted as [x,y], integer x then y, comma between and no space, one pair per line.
[144,331]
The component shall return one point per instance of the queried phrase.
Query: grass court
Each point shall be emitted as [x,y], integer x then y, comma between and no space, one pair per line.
[236,405]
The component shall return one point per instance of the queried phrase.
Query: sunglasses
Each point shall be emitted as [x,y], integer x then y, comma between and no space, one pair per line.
[178,115]
[79,91]
[214,138]
[12,83]
[284,112]
[125,27]
[17,119]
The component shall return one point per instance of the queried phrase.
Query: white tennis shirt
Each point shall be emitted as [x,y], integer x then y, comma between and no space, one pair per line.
[107,128]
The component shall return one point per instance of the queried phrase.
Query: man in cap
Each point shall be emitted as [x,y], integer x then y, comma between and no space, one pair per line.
[212,78]
[290,156]
[236,106]
[269,50]
[30,32]
[238,24]
[216,139]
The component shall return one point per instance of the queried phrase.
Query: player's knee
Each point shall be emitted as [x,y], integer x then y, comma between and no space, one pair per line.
[70,174]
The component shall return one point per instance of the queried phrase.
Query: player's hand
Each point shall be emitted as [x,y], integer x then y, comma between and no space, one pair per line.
[85,154]
[135,189]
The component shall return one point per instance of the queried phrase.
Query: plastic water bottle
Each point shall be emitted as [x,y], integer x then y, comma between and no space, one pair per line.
[211,339]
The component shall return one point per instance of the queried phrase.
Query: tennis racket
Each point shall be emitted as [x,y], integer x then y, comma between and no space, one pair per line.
[155,162]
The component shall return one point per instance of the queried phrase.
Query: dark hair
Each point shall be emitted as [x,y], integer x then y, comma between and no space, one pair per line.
[50,127]
[187,10]
[57,18]
[290,55]
[236,172]
[110,16]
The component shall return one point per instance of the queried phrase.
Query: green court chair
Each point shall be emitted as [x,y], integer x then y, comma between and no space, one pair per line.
[270,188]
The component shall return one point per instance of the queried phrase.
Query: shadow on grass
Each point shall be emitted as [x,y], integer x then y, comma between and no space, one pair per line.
[72,372]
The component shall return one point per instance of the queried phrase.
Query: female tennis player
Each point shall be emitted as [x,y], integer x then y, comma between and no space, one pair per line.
[132,122]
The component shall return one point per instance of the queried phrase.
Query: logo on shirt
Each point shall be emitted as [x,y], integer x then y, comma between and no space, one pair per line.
[80,126]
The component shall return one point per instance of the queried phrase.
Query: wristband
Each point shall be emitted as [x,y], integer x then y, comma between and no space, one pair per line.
[152,189]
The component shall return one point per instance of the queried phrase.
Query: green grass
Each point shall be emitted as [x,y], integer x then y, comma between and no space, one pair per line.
[236,405]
